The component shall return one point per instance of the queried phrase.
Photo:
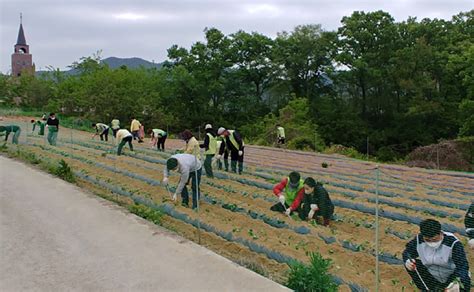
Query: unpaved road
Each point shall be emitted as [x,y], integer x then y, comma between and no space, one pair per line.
[55,237]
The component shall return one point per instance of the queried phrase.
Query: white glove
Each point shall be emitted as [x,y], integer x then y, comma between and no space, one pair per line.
[314,207]
[311,214]
[453,287]
[281,198]
[471,243]
[288,211]
[410,265]
[218,157]
[165,181]
[175,196]
[241,153]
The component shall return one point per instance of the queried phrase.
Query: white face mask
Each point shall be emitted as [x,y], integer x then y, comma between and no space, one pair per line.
[434,245]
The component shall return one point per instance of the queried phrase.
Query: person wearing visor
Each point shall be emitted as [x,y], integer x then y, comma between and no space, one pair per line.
[436,261]
[290,193]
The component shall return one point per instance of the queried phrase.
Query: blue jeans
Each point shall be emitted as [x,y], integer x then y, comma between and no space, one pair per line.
[194,187]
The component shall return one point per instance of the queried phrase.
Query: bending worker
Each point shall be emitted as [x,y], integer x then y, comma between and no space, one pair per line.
[124,136]
[192,144]
[280,135]
[11,128]
[210,147]
[158,138]
[102,130]
[235,144]
[290,193]
[41,124]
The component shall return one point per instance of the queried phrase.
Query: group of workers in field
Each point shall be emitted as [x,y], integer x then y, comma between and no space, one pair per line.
[51,123]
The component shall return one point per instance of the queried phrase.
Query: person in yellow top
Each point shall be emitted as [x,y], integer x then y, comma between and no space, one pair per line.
[280,134]
[192,144]
[135,128]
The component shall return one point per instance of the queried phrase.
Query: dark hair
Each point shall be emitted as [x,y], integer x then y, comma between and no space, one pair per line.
[186,135]
[294,177]
[430,228]
[93,125]
[309,181]
[171,163]
[52,114]
[32,121]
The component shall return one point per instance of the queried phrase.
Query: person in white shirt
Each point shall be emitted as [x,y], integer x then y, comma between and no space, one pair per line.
[124,136]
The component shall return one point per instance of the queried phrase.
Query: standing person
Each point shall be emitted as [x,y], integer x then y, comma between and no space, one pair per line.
[53,128]
[192,144]
[434,259]
[225,157]
[316,203]
[210,149]
[235,144]
[290,193]
[115,125]
[190,169]
[11,128]
[135,128]
[141,134]
[469,224]
[280,135]
[41,124]
[158,138]
[124,136]
[102,130]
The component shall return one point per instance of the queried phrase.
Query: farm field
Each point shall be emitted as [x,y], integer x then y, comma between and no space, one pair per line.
[234,215]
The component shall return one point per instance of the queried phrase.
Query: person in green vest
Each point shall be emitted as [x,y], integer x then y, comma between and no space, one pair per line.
[53,128]
[102,130]
[210,149]
[41,125]
[280,135]
[11,128]
[290,193]
[235,144]
[115,126]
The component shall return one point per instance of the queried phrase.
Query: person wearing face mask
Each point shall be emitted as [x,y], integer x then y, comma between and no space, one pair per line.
[316,203]
[290,193]
[435,260]
[469,223]
[53,128]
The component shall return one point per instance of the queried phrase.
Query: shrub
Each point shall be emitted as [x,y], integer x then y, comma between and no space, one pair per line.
[311,277]
[301,143]
[347,151]
[386,154]
[146,213]
[324,165]
[63,171]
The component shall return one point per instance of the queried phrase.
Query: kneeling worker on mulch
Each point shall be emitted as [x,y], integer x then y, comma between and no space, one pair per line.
[316,203]
[124,136]
[11,128]
[190,169]
[290,193]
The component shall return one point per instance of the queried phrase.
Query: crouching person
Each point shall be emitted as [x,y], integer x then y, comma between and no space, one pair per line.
[436,261]
[189,167]
[124,136]
[290,193]
[316,203]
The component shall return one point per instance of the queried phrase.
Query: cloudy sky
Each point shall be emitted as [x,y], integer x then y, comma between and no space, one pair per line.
[59,32]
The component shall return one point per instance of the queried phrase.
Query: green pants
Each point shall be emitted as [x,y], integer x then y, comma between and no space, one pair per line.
[122,143]
[16,135]
[52,135]
[208,165]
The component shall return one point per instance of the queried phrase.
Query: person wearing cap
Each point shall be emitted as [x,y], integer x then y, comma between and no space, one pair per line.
[192,144]
[290,193]
[53,128]
[436,261]
[316,203]
[469,224]
[115,125]
[190,170]
[158,138]
[210,149]
[102,130]
[280,135]
[235,144]
[9,129]
[124,136]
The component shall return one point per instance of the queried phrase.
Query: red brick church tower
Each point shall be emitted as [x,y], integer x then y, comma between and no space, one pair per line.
[22,61]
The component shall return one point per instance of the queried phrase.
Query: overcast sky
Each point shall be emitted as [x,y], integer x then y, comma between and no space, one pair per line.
[59,32]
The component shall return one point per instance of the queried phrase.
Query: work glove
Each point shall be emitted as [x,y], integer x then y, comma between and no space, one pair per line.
[288,211]
[241,152]
[175,197]
[410,264]
[314,207]
[471,243]
[311,214]
[165,181]
[453,287]
[218,157]
[281,198]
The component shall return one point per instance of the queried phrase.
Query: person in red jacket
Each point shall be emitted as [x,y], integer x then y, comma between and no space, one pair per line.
[290,193]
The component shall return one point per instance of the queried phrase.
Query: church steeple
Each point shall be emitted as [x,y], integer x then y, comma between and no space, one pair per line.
[22,61]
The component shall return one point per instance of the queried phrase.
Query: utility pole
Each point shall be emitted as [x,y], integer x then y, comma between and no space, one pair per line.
[377,272]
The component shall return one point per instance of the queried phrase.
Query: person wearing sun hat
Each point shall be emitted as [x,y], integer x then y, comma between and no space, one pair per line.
[290,193]
[316,203]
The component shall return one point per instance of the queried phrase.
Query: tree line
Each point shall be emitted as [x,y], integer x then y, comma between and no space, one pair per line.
[401,84]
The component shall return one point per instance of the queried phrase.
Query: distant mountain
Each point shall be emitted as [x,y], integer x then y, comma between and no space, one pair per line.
[114,63]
